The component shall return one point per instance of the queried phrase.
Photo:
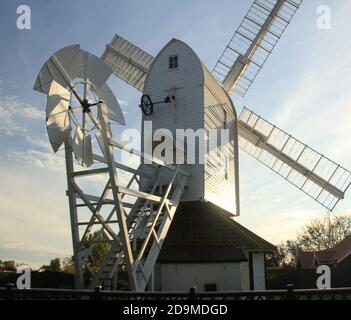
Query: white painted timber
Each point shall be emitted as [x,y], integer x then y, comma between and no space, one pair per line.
[259,271]
[182,277]
[199,102]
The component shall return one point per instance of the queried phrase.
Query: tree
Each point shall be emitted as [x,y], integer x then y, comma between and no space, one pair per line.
[276,259]
[284,256]
[8,265]
[68,265]
[98,242]
[99,247]
[320,234]
[54,266]
[324,233]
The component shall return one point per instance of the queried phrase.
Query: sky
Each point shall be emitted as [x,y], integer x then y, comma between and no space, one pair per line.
[303,88]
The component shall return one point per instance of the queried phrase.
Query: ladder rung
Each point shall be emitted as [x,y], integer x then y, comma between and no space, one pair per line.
[140,194]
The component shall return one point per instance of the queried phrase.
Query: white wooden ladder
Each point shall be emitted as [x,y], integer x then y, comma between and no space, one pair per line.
[135,248]
[148,223]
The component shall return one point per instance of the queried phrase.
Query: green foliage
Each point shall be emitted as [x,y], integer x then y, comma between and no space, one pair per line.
[68,265]
[324,233]
[8,265]
[54,266]
[284,256]
[100,247]
[321,233]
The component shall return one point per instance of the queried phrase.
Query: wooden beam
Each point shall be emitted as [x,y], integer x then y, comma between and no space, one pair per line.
[259,140]
[146,157]
[84,173]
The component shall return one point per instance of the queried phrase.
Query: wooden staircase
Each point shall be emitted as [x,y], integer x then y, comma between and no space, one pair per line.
[148,222]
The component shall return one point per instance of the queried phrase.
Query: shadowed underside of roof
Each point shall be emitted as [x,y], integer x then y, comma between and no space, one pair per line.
[306,260]
[202,232]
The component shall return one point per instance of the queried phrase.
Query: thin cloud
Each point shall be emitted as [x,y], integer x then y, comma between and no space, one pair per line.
[38,159]
[34,214]
[42,142]
[14,113]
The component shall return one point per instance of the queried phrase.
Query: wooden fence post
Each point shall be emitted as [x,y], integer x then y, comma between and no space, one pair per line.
[290,292]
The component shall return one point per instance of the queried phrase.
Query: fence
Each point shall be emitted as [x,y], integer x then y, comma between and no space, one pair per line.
[11,293]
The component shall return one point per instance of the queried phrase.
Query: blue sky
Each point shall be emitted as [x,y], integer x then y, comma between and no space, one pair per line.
[303,88]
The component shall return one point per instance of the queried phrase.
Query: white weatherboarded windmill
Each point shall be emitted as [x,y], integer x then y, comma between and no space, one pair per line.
[178,93]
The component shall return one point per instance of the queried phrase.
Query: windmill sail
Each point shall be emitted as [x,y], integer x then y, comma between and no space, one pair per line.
[314,174]
[57,119]
[128,62]
[253,43]
[68,64]
[62,71]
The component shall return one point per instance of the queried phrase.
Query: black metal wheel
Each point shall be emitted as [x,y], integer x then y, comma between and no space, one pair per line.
[146,105]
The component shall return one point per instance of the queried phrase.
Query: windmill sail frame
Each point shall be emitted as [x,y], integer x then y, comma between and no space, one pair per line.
[128,62]
[253,42]
[317,176]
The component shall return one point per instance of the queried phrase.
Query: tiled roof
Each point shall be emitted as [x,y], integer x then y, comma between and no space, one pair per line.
[202,231]
[332,255]
[306,260]
[337,253]
[325,256]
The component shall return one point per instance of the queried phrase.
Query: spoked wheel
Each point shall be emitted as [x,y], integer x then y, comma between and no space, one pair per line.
[82,106]
[146,105]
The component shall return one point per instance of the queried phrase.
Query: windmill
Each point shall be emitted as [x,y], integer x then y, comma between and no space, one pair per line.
[178,92]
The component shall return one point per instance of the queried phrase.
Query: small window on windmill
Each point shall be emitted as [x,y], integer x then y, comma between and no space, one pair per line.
[173,62]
